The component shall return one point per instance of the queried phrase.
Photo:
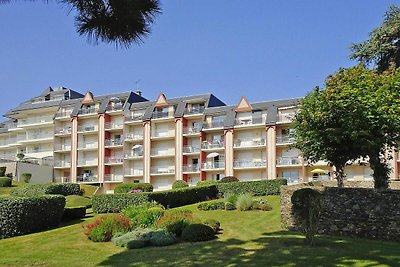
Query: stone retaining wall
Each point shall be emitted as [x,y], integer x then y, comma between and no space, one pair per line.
[358,212]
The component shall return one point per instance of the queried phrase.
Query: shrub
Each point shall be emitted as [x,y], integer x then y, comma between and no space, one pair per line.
[26,177]
[5,182]
[160,238]
[117,202]
[24,215]
[261,204]
[3,171]
[179,184]
[9,175]
[256,188]
[198,232]
[44,189]
[230,198]
[128,187]
[78,201]
[206,183]
[104,228]
[214,224]
[244,202]
[140,238]
[230,206]
[74,213]
[174,221]
[144,215]
[229,179]
[212,205]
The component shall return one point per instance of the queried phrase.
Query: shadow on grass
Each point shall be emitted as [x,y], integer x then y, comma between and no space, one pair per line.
[271,249]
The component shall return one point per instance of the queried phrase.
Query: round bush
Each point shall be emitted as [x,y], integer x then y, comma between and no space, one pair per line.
[198,232]
[229,206]
[229,179]
[179,184]
[162,238]
[5,182]
[214,224]
[175,221]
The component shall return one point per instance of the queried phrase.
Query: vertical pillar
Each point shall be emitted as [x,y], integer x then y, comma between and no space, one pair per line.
[101,147]
[228,141]
[146,151]
[178,148]
[303,169]
[203,174]
[271,152]
[74,149]
[395,165]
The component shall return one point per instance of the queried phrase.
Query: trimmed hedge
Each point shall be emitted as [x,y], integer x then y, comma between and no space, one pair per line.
[256,188]
[179,184]
[24,215]
[128,187]
[5,182]
[47,189]
[3,171]
[74,213]
[170,199]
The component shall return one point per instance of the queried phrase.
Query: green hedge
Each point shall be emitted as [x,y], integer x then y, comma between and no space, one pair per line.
[3,171]
[47,189]
[127,187]
[24,215]
[256,188]
[171,198]
[74,213]
[5,182]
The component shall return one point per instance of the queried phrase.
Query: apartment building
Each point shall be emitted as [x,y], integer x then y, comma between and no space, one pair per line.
[124,137]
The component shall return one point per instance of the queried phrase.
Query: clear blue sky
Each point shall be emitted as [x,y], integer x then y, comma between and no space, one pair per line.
[262,49]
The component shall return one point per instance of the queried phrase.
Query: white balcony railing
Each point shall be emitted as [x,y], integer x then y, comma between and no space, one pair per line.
[134,117]
[287,161]
[249,142]
[36,136]
[285,139]
[191,168]
[113,177]
[194,110]
[250,120]
[88,162]
[162,114]
[113,142]
[113,125]
[191,130]
[62,179]
[113,160]
[286,117]
[88,111]
[61,163]
[213,165]
[167,152]
[215,144]
[163,170]
[87,128]
[88,145]
[62,131]
[134,172]
[169,133]
[87,178]
[63,114]
[213,124]
[191,149]
[133,137]
[31,121]
[249,163]
[116,107]
[134,154]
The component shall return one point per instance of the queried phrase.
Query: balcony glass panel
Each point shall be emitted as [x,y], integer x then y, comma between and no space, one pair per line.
[288,161]
[113,177]
[88,110]
[24,122]
[213,165]
[167,152]
[134,117]
[114,160]
[191,149]
[163,170]
[213,124]
[87,128]
[248,142]
[249,163]
[250,120]
[87,162]
[133,137]
[164,134]
[62,130]
[135,172]
[114,125]
[113,142]
[212,144]
[87,178]
[191,168]
[88,145]
[191,130]
[194,110]
[61,163]
[285,139]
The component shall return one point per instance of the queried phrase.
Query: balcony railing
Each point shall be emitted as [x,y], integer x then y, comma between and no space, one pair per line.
[131,137]
[87,128]
[87,111]
[62,131]
[88,145]
[169,133]
[135,117]
[63,114]
[163,170]
[88,162]
[87,178]
[194,110]
[191,168]
[61,163]
[113,177]
[25,122]
[287,117]
[113,160]
[249,163]
[191,130]
[162,114]
[63,179]
[287,161]
[116,107]
[168,152]
[134,154]
[285,139]
[62,147]
[216,144]
[250,121]
[213,124]
[248,142]
[134,172]
[191,149]
[213,165]
[34,137]
[113,125]
[113,142]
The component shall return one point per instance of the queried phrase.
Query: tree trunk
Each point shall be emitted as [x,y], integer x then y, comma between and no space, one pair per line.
[339,173]
[381,172]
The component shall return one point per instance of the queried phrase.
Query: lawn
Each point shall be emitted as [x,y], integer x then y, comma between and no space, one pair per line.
[252,238]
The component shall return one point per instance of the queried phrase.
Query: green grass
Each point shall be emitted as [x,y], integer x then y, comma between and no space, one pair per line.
[77,201]
[6,191]
[89,190]
[249,238]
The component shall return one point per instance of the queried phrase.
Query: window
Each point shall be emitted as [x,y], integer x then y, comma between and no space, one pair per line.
[291,176]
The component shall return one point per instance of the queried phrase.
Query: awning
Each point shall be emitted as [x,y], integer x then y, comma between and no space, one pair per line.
[136,146]
[212,155]
[318,171]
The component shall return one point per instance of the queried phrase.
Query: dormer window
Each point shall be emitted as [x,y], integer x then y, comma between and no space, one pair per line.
[194,108]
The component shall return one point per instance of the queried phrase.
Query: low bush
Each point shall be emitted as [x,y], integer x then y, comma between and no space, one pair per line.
[256,188]
[244,202]
[174,221]
[230,206]
[230,198]
[229,179]
[24,215]
[105,227]
[3,171]
[5,182]
[140,238]
[206,183]
[214,224]
[212,205]
[198,232]
[129,187]
[261,204]
[78,201]
[161,238]
[179,184]
[74,213]
[47,189]
[26,177]
[117,202]
[144,215]
[9,175]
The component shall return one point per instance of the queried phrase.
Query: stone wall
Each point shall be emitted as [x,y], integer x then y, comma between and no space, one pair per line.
[357,212]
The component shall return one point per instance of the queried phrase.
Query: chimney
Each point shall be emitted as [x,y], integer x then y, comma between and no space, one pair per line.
[138,92]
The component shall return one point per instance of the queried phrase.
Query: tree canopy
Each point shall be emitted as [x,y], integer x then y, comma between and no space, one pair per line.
[122,22]
[356,116]
[382,49]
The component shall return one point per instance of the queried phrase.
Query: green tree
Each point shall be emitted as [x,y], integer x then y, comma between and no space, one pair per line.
[356,116]
[382,49]
[122,22]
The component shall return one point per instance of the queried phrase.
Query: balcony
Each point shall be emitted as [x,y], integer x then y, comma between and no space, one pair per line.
[113,177]
[194,110]
[191,130]
[285,139]
[134,118]
[215,144]
[213,124]
[286,117]
[62,164]
[287,161]
[63,179]
[168,134]
[62,131]
[162,153]
[113,125]
[191,149]
[133,137]
[63,114]
[113,142]
[134,154]
[250,164]
[191,168]
[62,147]
[88,162]
[249,142]
[162,114]
[34,121]
[87,128]
[93,145]
[34,137]
[88,111]
[87,178]
[162,170]
[134,172]
[116,107]
[256,120]
[114,160]
[213,165]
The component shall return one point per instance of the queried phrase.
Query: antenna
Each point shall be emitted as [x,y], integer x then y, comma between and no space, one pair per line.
[137,84]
